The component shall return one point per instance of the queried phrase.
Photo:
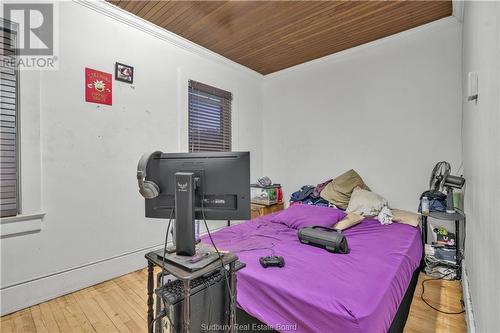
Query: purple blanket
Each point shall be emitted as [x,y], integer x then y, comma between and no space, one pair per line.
[318,291]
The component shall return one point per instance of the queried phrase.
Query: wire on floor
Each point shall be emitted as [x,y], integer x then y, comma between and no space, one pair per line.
[430,305]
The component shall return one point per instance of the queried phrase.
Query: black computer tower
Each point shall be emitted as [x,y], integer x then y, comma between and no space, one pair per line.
[209,306]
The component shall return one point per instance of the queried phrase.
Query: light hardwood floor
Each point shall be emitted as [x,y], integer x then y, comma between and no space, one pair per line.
[119,305]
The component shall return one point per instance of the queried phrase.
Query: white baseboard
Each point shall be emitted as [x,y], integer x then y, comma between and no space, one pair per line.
[40,289]
[469,313]
[25,294]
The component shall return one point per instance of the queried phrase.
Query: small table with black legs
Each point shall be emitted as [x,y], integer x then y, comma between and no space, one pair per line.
[186,276]
[458,217]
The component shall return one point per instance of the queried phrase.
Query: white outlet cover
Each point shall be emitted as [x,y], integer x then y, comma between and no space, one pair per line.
[472,86]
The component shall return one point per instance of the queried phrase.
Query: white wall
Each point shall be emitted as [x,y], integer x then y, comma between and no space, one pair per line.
[481,144]
[94,227]
[389,109]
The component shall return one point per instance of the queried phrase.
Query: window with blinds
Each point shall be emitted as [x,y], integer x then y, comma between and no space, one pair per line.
[209,118]
[8,124]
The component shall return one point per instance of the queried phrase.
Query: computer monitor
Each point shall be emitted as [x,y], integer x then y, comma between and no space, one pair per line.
[212,186]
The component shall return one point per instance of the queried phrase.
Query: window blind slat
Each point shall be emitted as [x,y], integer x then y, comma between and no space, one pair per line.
[8,147]
[5,129]
[7,182]
[7,118]
[209,118]
[206,117]
[5,190]
[9,176]
[7,201]
[204,109]
[6,52]
[6,142]
[5,112]
[209,141]
[7,97]
[7,195]
[4,88]
[7,94]
[207,102]
[209,135]
[8,171]
[10,136]
[8,206]
[8,125]
[8,212]
[7,153]
[5,39]
[209,114]
[7,83]
[5,106]
[8,77]
[7,71]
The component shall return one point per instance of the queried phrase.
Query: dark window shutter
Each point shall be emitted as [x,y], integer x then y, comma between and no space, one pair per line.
[209,118]
[8,124]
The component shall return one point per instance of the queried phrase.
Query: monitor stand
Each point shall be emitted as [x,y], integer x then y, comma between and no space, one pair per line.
[205,255]
[187,254]
[185,187]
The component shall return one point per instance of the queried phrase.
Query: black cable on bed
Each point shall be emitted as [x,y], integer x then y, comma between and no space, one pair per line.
[270,248]
[431,306]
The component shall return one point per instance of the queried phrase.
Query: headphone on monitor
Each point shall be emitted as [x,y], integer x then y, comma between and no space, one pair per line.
[147,188]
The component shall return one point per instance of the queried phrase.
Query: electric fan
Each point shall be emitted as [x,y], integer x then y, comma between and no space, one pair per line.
[441,179]
[439,173]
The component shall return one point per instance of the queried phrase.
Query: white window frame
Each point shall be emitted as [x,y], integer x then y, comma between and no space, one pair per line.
[29,191]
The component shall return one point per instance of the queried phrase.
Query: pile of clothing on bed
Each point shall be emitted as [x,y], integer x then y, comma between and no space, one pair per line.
[350,193]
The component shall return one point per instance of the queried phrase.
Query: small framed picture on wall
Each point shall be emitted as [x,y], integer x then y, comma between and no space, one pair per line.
[124,73]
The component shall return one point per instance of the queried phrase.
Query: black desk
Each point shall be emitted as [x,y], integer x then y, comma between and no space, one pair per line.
[457,217]
[153,259]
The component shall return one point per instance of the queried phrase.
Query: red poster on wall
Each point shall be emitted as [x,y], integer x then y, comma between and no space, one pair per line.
[98,87]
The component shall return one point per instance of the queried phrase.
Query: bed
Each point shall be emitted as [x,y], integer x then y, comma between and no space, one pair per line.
[367,290]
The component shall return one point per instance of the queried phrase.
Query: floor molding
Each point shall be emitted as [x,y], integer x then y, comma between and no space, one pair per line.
[40,289]
[469,313]
[23,294]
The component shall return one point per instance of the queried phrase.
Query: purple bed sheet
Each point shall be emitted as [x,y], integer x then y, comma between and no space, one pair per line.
[318,291]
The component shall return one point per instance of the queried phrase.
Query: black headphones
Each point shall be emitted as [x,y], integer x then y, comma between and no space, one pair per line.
[147,188]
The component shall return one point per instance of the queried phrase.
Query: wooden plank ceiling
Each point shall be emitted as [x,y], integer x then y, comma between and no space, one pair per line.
[268,36]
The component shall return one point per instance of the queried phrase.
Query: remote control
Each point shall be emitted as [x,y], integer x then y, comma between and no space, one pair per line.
[272,261]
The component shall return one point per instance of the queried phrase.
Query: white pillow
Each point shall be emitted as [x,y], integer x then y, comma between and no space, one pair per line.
[405,217]
[365,203]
